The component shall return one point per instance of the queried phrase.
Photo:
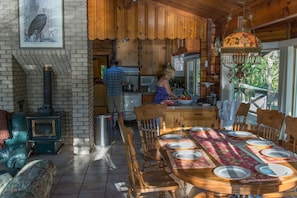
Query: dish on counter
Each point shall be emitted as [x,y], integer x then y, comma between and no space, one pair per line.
[199,128]
[172,136]
[240,134]
[181,145]
[274,170]
[187,154]
[204,104]
[169,102]
[259,143]
[277,153]
[232,172]
[185,102]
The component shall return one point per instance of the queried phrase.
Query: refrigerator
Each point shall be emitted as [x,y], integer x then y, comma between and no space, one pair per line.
[192,76]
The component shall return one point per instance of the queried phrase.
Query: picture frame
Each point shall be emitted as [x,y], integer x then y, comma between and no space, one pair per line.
[41,23]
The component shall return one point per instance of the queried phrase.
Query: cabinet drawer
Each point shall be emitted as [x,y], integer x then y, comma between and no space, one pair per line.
[191,117]
[148,98]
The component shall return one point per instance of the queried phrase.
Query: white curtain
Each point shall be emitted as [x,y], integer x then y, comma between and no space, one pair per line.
[287,81]
[287,102]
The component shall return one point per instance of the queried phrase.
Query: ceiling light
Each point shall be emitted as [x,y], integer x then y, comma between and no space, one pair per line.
[240,48]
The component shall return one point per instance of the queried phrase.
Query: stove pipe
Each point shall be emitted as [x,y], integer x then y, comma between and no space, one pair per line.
[46,108]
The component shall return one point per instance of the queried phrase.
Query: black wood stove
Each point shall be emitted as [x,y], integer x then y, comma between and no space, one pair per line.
[46,126]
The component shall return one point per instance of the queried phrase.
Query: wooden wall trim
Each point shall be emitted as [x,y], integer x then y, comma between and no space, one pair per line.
[117,19]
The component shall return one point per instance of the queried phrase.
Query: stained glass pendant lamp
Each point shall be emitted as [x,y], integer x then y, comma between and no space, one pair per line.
[240,48]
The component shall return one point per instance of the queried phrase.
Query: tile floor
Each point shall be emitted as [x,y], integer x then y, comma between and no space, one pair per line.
[103,173]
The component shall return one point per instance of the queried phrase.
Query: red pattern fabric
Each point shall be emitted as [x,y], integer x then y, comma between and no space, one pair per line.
[226,153]
[257,151]
[202,162]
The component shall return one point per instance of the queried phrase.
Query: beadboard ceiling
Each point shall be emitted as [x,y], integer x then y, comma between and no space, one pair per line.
[273,19]
[34,63]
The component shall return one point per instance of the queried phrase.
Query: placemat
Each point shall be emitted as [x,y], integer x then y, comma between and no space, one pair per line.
[257,151]
[202,162]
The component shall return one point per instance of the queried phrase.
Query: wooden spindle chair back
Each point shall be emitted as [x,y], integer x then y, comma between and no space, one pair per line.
[144,182]
[150,123]
[241,116]
[291,132]
[269,124]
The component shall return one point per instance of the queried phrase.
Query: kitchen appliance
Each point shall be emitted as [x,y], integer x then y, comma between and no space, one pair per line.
[192,64]
[132,78]
[150,82]
[129,87]
[46,126]
[131,100]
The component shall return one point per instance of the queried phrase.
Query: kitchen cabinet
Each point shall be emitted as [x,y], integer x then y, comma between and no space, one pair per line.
[148,97]
[192,115]
[100,99]
[173,118]
[152,57]
[127,52]
[192,45]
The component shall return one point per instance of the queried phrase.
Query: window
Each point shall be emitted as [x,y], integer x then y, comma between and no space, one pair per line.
[260,86]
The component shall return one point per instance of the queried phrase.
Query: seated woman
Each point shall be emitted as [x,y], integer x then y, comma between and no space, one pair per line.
[163,90]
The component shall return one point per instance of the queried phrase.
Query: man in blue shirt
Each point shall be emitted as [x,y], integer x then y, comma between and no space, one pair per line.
[114,80]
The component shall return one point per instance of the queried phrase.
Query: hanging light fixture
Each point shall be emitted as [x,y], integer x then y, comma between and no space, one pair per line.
[241,47]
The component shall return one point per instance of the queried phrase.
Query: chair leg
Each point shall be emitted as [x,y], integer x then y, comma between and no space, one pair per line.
[161,194]
[201,195]
[129,193]
[173,194]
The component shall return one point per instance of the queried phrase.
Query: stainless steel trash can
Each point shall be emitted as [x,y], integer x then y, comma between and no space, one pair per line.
[103,127]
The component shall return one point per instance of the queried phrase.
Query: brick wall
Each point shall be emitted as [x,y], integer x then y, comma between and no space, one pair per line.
[21,77]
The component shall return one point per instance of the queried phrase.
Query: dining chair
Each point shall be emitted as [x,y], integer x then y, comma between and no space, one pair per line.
[291,125]
[286,194]
[269,124]
[121,125]
[150,123]
[241,116]
[142,182]
[291,138]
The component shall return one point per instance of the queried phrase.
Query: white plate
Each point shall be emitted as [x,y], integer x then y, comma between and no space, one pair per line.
[274,170]
[277,153]
[185,102]
[232,172]
[181,145]
[198,128]
[240,134]
[172,136]
[187,154]
[260,143]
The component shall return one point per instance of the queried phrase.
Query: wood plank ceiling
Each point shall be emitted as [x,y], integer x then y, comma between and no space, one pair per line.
[274,20]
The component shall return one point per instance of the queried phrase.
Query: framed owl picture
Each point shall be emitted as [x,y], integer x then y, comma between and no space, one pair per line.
[41,23]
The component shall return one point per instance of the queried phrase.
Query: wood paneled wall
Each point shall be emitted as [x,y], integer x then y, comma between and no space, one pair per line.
[113,19]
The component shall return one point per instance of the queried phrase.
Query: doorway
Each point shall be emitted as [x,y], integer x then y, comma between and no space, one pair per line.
[99,66]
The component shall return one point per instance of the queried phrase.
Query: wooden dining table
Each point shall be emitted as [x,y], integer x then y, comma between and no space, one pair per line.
[219,148]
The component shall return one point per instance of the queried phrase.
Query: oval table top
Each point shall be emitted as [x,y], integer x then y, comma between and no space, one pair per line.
[216,150]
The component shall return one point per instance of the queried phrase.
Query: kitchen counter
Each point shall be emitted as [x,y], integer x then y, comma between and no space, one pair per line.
[148,97]
[191,115]
[191,106]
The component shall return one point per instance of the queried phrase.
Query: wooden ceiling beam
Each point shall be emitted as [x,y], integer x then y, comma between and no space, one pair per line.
[268,13]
